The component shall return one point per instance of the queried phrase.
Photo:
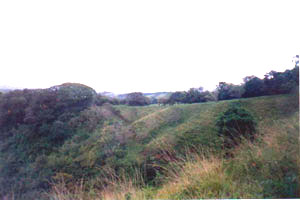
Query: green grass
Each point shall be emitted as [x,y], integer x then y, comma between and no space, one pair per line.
[267,168]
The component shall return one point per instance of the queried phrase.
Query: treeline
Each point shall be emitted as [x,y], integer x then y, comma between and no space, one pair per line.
[131,99]
[273,83]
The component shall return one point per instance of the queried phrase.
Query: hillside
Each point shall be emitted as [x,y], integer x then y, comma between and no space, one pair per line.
[123,152]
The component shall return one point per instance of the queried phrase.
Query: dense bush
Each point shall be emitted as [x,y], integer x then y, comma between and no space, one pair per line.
[13,108]
[33,124]
[234,124]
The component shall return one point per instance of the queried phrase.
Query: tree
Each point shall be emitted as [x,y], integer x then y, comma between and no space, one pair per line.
[177,97]
[100,100]
[229,91]
[137,99]
[162,101]
[59,101]
[197,95]
[13,107]
[281,82]
[253,87]
[42,108]
[193,95]
[73,96]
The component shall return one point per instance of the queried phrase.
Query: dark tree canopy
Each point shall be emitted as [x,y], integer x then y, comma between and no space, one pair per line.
[229,91]
[193,95]
[36,108]
[177,97]
[273,83]
[137,99]
[73,96]
[100,100]
[253,87]
[281,82]
[13,107]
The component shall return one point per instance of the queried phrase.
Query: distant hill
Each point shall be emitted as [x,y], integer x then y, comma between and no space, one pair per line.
[156,95]
[108,94]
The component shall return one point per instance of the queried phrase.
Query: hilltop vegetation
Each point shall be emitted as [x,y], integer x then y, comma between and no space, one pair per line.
[68,142]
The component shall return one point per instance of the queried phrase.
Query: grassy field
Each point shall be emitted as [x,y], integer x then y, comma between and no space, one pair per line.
[174,152]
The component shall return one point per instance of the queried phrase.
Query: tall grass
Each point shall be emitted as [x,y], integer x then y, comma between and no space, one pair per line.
[273,162]
[109,187]
[268,168]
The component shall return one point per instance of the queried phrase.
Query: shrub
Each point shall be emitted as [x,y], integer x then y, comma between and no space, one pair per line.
[234,124]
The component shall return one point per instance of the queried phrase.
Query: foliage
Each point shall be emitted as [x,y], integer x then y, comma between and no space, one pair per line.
[34,123]
[13,108]
[196,95]
[100,100]
[193,95]
[281,82]
[228,91]
[177,97]
[87,119]
[235,123]
[273,83]
[254,87]
[162,101]
[137,99]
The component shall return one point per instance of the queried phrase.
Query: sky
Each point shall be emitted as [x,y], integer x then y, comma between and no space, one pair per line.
[146,46]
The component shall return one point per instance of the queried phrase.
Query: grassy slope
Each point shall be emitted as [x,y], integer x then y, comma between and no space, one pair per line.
[268,168]
[259,170]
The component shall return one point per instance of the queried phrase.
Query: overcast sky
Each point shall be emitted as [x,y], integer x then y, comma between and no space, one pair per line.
[148,46]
